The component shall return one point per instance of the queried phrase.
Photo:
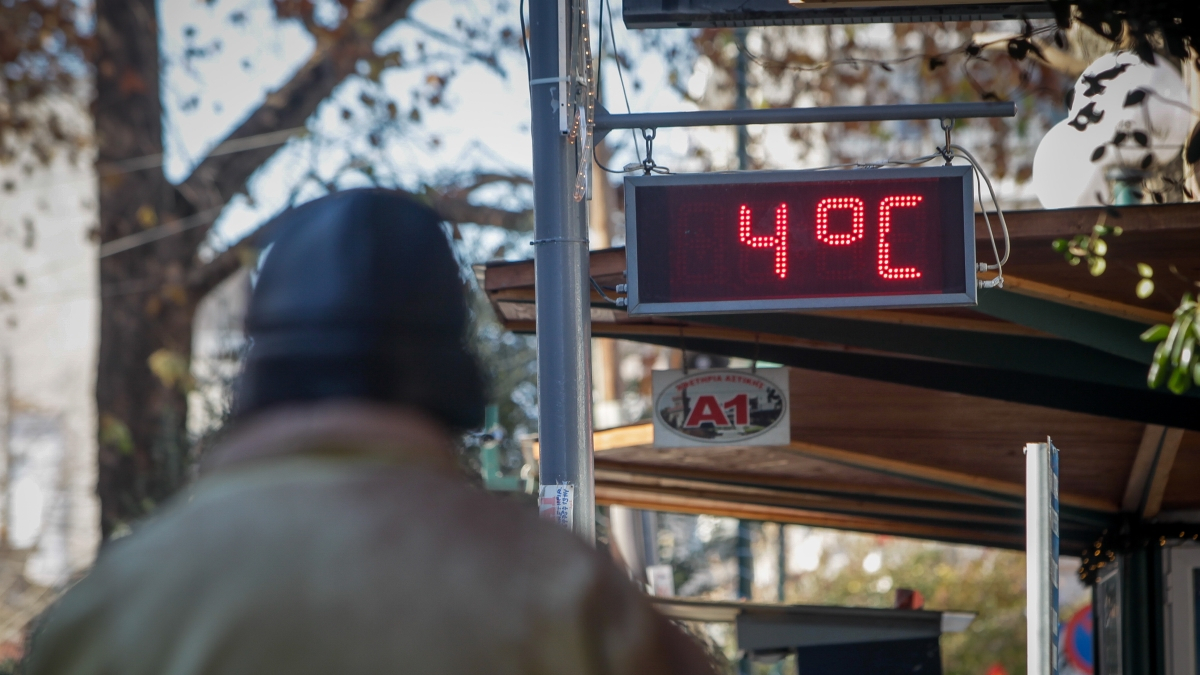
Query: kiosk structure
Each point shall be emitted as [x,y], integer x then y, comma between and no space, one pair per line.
[912,422]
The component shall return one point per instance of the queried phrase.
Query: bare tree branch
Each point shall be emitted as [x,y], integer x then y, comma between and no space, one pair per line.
[452,202]
[219,178]
[201,280]
[457,210]
[451,205]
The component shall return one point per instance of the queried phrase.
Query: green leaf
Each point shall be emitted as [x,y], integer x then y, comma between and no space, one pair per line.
[1145,270]
[1060,245]
[1097,266]
[1144,289]
[1158,367]
[1187,356]
[1156,333]
[1180,381]
[1182,333]
[1100,247]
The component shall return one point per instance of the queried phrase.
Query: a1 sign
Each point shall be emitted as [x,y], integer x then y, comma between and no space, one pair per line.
[721,407]
[755,241]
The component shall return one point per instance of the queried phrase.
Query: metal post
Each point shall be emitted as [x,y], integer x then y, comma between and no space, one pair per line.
[781,591]
[745,554]
[561,269]
[1041,557]
[745,587]
[742,102]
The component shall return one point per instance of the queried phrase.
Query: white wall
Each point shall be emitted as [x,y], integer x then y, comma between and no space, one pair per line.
[49,321]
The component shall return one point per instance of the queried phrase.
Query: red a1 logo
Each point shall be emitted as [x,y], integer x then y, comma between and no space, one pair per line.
[707,410]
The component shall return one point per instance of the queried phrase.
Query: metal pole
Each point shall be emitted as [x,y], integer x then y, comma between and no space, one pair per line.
[781,591]
[742,102]
[855,113]
[745,554]
[1041,558]
[561,272]
[745,587]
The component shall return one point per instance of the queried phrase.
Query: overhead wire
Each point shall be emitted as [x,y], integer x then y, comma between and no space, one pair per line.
[1000,261]
[612,36]
[525,41]
[979,171]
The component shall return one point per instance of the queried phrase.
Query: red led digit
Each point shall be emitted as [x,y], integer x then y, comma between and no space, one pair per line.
[858,220]
[777,241]
[885,225]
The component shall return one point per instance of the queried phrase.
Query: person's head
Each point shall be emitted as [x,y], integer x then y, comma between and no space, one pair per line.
[360,297]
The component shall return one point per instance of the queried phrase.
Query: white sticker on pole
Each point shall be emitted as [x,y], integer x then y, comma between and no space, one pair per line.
[557,503]
[728,406]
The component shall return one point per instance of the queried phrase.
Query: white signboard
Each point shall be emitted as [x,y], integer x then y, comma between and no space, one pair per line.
[721,407]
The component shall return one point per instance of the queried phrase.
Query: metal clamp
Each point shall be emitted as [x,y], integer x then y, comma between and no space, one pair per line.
[945,151]
[557,240]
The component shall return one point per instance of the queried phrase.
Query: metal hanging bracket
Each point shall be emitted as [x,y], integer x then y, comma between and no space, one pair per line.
[946,152]
[606,121]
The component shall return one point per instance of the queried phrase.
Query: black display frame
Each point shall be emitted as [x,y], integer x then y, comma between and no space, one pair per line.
[959,297]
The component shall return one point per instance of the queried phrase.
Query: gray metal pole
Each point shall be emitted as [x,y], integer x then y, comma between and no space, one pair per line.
[781,562]
[742,102]
[745,555]
[561,273]
[855,113]
[1041,558]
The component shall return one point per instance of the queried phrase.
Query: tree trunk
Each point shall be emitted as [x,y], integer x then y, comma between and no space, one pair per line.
[149,292]
[145,306]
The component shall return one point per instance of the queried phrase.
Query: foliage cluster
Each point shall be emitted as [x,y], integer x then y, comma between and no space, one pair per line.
[45,46]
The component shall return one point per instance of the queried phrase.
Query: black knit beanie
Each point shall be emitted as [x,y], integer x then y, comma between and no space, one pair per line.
[360,297]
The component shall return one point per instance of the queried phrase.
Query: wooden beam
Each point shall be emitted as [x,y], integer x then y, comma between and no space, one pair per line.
[606,262]
[932,320]
[1053,223]
[641,499]
[1161,472]
[617,437]
[942,477]
[1081,300]
[1151,469]
[1139,473]
[907,491]
[623,437]
[849,503]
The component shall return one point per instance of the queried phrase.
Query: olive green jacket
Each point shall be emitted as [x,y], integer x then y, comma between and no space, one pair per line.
[339,539]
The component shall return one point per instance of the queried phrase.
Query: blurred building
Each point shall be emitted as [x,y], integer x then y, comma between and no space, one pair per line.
[49,328]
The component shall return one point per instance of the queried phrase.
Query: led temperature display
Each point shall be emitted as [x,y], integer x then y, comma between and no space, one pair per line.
[800,240]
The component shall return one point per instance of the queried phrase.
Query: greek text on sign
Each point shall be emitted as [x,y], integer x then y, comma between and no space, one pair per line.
[721,407]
